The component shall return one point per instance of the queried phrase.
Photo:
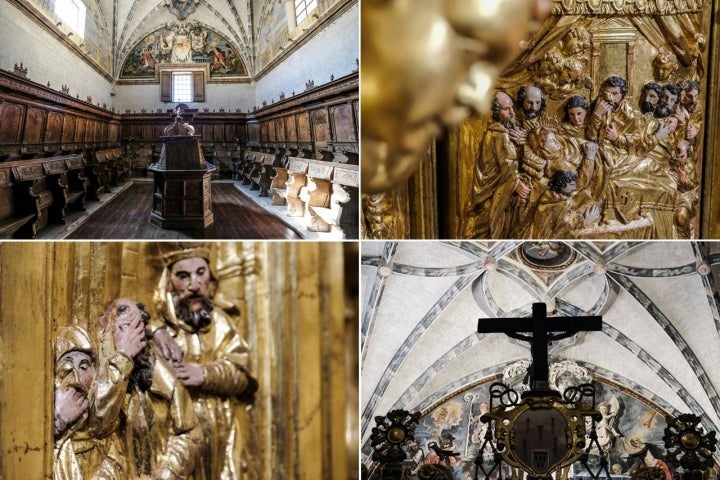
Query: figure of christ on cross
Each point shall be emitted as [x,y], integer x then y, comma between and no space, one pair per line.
[542,327]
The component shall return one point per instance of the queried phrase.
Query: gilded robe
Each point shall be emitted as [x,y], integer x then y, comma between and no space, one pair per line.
[223,355]
[559,216]
[638,182]
[488,211]
[161,435]
[159,427]
[79,455]
[84,450]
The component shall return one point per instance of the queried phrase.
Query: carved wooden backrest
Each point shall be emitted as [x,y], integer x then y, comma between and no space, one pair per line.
[7,203]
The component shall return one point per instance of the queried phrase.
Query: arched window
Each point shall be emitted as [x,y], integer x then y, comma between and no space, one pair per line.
[303,9]
[72,14]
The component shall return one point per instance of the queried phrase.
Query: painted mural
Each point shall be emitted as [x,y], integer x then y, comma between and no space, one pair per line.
[630,434]
[96,40]
[183,41]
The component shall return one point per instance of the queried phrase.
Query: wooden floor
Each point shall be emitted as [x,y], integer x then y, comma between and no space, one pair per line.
[127,216]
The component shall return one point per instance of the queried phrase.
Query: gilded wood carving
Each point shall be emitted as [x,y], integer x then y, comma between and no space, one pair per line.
[596,128]
[631,166]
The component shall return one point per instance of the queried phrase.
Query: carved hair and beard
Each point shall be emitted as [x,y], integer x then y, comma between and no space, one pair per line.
[661,111]
[668,100]
[650,96]
[532,101]
[197,319]
[510,124]
[141,374]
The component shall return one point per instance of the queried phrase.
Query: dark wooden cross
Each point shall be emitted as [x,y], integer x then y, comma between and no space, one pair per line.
[541,326]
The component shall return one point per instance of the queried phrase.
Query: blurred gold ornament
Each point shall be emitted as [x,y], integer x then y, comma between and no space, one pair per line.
[428,64]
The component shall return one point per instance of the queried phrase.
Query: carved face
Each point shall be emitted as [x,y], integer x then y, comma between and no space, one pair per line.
[690,99]
[506,112]
[75,370]
[191,281]
[551,143]
[663,70]
[680,153]
[666,105]
[649,100]
[651,96]
[569,188]
[613,95]
[668,99]
[532,104]
[577,116]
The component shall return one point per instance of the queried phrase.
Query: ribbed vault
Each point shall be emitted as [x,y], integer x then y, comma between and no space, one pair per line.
[422,300]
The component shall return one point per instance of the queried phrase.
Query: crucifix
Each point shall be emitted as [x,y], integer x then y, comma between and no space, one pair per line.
[542,327]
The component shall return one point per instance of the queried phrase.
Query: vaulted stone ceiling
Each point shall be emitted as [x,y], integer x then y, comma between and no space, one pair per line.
[421,302]
[258,30]
[135,19]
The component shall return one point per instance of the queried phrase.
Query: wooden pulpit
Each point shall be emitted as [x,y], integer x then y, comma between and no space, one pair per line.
[181,197]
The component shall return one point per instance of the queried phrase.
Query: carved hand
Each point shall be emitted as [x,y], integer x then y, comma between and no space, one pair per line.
[69,405]
[666,128]
[522,189]
[592,214]
[189,374]
[601,108]
[682,177]
[169,349]
[591,149]
[680,115]
[611,133]
[517,135]
[129,334]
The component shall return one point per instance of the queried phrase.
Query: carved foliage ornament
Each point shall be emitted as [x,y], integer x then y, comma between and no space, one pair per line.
[626,7]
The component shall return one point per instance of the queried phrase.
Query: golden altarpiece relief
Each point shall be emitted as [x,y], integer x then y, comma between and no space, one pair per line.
[286,312]
[604,126]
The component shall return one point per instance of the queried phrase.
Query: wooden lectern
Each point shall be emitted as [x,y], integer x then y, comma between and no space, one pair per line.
[181,197]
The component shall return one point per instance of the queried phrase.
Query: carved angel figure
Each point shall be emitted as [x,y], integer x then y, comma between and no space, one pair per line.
[564,68]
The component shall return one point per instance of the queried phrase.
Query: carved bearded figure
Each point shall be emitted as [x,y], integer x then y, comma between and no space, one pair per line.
[208,355]
[138,393]
[488,210]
